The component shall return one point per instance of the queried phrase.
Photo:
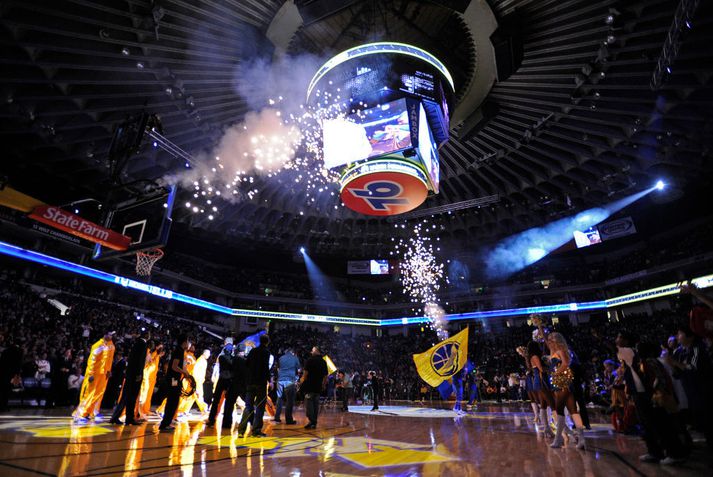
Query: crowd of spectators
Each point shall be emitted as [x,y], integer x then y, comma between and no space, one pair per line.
[41,348]
[51,343]
[46,347]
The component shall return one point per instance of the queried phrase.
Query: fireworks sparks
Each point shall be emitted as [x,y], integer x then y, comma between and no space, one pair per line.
[422,275]
[273,146]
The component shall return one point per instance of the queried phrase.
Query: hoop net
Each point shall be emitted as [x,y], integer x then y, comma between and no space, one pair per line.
[145,260]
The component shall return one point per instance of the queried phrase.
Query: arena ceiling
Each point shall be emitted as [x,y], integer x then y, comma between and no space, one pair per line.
[575,125]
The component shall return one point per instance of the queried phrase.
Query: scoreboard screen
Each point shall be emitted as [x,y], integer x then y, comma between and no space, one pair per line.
[370,133]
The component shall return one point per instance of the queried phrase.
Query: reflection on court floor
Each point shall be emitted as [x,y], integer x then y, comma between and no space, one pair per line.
[396,440]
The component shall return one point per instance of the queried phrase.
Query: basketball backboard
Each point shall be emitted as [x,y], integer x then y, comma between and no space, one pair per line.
[146,220]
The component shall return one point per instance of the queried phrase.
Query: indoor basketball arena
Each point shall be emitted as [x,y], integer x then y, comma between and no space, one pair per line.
[356,238]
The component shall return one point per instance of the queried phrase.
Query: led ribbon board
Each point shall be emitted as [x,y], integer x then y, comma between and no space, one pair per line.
[593,305]
[377,49]
[125,282]
[705,281]
[658,292]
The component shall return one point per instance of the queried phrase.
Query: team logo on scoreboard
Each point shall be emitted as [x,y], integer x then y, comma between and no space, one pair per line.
[381,195]
[384,193]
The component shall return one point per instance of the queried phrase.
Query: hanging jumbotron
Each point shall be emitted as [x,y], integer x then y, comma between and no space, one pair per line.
[385,109]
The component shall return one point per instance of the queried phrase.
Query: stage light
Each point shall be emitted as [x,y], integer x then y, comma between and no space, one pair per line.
[302,250]
[660,185]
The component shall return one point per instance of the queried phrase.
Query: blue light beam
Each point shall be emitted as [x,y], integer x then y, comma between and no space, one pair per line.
[519,251]
[322,287]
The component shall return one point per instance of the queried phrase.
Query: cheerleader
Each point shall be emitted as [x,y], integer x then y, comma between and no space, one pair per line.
[562,380]
[540,387]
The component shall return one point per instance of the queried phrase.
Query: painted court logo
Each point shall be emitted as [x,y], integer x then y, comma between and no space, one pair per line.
[444,360]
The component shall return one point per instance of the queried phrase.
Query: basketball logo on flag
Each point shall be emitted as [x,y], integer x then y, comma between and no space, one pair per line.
[445,359]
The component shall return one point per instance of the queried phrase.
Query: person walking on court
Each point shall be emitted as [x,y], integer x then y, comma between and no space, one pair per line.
[375,389]
[288,365]
[225,363]
[132,381]
[258,371]
[312,384]
[199,372]
[176,371]
[238,386]
[101,356]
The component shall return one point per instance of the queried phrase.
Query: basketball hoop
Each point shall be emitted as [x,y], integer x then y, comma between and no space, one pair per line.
[145,260]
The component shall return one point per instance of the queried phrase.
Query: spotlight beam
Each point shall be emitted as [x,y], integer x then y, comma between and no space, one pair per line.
[521,250]
[321,285]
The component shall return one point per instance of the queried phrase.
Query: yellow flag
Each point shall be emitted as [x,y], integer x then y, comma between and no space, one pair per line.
[443,360]
[331,367]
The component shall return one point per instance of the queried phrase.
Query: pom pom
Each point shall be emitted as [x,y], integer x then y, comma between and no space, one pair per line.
[562,379]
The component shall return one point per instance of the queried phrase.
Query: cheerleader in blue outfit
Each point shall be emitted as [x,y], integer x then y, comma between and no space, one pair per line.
[561,381]
[540,386]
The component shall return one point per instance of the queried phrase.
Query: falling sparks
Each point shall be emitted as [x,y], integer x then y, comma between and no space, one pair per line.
[422,275]
[272,146]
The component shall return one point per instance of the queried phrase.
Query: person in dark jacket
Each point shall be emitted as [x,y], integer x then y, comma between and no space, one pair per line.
[375,389]
[132,380]
[116,379]
[693,366]
[61,368]
[258,373]
[225,365]
[238,386]
[312,384]
[175,373]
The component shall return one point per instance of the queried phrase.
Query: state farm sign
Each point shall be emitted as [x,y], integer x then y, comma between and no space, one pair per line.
[75,225]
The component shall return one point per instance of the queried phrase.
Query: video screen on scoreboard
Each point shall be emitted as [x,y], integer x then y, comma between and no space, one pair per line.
[379,267]
[419,83]
[370,133]
[427,149]
[587,237]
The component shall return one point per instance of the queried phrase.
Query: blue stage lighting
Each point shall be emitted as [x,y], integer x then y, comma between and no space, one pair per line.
[660,185]
[302,250]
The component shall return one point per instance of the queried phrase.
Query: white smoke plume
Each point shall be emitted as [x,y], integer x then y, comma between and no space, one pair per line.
[263,143]
[262,80]
[268,137]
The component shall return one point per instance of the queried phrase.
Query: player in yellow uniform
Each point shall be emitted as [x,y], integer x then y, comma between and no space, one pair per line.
[101,357]
[153,359]
[199,372]
[189,359]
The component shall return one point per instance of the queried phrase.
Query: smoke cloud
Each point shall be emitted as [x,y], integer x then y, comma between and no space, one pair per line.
[263,143]
[269,135]
[284,80]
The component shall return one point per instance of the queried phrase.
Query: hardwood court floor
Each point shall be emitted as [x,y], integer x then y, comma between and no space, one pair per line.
[398,441]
